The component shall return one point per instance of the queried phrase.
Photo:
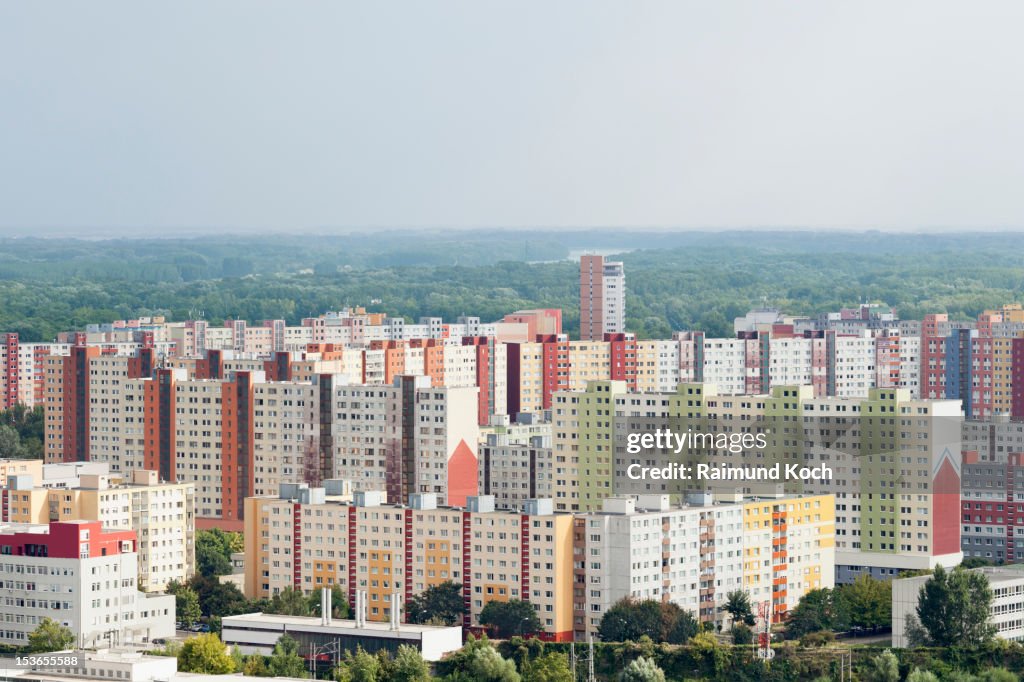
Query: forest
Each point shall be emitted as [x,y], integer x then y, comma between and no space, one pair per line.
[675,280]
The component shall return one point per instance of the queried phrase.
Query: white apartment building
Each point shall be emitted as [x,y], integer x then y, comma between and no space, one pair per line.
[854,366]
[693,555]
[84,578]
[614,297]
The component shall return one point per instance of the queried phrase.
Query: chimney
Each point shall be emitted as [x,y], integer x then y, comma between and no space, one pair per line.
[360,608]
[396,610]
[325,606]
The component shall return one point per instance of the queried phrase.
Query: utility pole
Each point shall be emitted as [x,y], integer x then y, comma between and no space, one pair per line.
[590,661]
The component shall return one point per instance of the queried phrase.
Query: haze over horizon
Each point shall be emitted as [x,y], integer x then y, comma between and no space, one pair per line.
[311,117]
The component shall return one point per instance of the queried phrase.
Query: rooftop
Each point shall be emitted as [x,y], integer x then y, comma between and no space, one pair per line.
[312,622]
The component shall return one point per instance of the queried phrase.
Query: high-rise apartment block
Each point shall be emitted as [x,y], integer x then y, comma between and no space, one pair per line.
[406,438]
[775,549]
[602,297]
[570,567]
[894,461]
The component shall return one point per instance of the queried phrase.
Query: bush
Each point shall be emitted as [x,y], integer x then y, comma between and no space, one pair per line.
[817,639]
[741,634]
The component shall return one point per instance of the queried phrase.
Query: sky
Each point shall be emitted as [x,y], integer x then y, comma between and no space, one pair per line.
[202,116]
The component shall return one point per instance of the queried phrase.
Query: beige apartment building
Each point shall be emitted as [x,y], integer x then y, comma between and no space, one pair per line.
[161,514]
[305,539]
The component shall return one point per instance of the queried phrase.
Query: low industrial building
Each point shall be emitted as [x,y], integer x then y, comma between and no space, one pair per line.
[327,639]
[1006,613]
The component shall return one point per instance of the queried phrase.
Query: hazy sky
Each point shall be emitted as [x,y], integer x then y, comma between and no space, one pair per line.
[313,115]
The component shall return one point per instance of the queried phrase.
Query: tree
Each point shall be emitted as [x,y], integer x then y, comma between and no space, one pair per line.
[255,665]
[818,638]
[409,666]
[975,562]
[737,605]
[217,598]
[443,602]
[642,670]
[359,667]
[205,654]
[918,675]
[713,655]
[630,620]
[477,661]
[186,606]
[682,626]
[50,635]
[10,443]
[285,660]
[514,617]
[551,667]
[28,425]
[487,665]
[289,602]
[957,675]
[884,667]
[866,602]
[339,604]
[741,634]
[213,551]
[815,611]
[953,608]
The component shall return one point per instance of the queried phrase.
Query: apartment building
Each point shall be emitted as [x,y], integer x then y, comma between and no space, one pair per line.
[218,425]
[583,445]
[20,467]
[602,297]
[992,476]
[516,472]
[232,432]
[408,437]
[306,540]
[657,366]
[571,567]
[893,462]
[546,321]
[694,554]
[82,576]
[536,369]
[162,515]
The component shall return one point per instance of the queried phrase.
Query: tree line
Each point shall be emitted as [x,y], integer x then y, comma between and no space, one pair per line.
[49,287]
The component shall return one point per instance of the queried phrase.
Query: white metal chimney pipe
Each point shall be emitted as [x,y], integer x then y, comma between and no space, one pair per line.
[325,606]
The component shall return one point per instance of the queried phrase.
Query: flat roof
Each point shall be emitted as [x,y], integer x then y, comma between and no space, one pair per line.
[339,623]
[1000,574]
[995,574]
